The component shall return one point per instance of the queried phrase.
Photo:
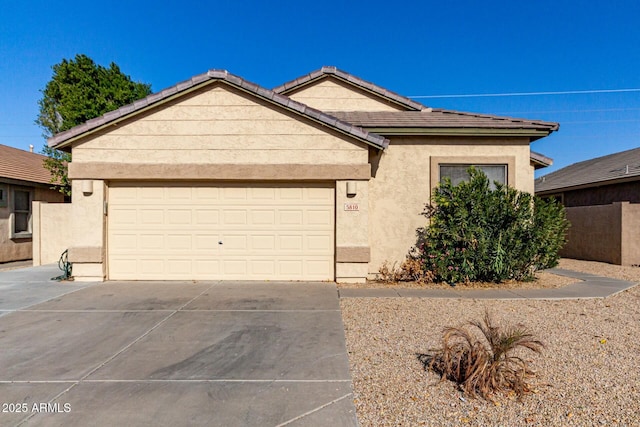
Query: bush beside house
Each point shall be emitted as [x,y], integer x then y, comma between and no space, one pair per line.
[480,232]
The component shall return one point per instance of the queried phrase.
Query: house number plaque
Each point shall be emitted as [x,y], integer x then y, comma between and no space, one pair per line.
[351,207]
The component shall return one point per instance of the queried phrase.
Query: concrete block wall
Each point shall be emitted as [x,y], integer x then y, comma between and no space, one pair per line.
[607,233]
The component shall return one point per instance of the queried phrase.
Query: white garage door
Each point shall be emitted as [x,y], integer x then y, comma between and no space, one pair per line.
[232,232]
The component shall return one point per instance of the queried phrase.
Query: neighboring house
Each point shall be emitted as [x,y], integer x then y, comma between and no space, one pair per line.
[602,197]
[23,179]
[322,178]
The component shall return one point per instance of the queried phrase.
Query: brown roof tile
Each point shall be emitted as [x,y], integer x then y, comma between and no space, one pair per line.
[22,165]
[221,75]
[439,118]
[357,81]
[540,160]
[590,173]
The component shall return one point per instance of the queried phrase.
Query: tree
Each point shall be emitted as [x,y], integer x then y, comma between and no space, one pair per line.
[81,90]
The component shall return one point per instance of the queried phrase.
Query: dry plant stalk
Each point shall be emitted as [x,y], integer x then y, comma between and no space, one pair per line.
[411,270]
[484,366]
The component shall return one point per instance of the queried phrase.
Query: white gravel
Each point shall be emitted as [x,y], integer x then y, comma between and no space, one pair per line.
[589,373]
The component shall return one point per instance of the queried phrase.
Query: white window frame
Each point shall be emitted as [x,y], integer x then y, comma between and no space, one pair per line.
[29,232]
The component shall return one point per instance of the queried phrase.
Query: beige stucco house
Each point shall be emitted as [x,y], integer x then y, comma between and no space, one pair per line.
[23,179]
[322,178]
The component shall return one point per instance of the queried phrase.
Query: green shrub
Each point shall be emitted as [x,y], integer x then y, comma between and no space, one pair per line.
[479,234]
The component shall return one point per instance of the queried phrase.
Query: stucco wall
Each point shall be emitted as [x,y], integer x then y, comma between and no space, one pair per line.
[402,182]
[607,233]
[87,245]
[334,95]
[51,231]
[220,125]
[20,249]
[352,231]
[630,234]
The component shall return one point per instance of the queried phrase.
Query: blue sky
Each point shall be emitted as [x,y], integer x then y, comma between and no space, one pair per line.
[416,48]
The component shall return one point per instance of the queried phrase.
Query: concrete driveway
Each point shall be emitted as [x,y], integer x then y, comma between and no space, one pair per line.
[171,353]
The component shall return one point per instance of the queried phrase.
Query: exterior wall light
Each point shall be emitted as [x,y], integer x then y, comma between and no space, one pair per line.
[352,188]
[87,187]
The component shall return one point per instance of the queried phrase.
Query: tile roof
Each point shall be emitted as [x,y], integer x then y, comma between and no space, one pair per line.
[540,160]
[590,173]
[22,165]
[233,80]
[439,118]
[350,78]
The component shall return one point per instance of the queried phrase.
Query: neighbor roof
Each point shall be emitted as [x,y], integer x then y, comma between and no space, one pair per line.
[328,71]
[22,165]
[63,138]
[590,173]
[440,118]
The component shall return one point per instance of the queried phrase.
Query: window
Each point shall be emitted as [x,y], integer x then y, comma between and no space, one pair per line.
[21,214]
[458,173]
[3,196]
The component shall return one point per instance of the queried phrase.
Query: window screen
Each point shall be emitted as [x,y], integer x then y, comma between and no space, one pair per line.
[458,173]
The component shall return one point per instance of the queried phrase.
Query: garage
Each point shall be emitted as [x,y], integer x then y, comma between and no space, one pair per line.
[230,231]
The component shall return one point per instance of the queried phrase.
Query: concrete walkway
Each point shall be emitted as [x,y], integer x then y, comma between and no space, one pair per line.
[590,287]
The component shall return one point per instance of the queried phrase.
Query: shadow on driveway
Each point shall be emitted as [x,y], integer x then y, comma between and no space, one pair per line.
[174,353]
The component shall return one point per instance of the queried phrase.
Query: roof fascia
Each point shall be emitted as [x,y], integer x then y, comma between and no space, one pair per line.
[532,133]
[23,183]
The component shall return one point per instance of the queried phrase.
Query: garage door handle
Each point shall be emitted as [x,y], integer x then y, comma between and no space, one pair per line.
[219,242]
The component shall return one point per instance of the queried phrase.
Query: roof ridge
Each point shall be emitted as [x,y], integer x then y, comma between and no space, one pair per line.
[349,78]
[595,171]
[4,146]
[23,165]
[234,80]
[594,159]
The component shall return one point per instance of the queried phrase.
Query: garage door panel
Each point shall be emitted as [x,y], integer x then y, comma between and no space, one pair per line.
[172,232]
[207,216]
[263,243]
[291,217]
[150,242]
[179,217]
[263,217]
[319,217]
[234,217]
[207,268]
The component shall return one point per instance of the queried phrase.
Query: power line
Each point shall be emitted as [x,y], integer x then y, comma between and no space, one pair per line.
[597,110]
[566,92]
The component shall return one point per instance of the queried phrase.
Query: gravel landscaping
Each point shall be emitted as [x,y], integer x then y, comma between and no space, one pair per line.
[589,373]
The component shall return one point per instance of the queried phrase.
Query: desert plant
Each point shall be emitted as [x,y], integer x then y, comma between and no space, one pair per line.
[477,233]
[411,270]
[481,359]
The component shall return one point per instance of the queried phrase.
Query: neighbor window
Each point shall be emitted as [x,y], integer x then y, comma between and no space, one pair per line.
[3,196]
[21,214]
[458,173]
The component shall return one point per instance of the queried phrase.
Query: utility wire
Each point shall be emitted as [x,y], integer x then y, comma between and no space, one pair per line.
[566,92]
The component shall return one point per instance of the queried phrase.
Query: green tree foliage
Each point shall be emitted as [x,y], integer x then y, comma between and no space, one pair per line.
[81,90]
[479,234]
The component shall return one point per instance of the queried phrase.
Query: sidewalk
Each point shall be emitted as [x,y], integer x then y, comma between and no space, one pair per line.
[591,287]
